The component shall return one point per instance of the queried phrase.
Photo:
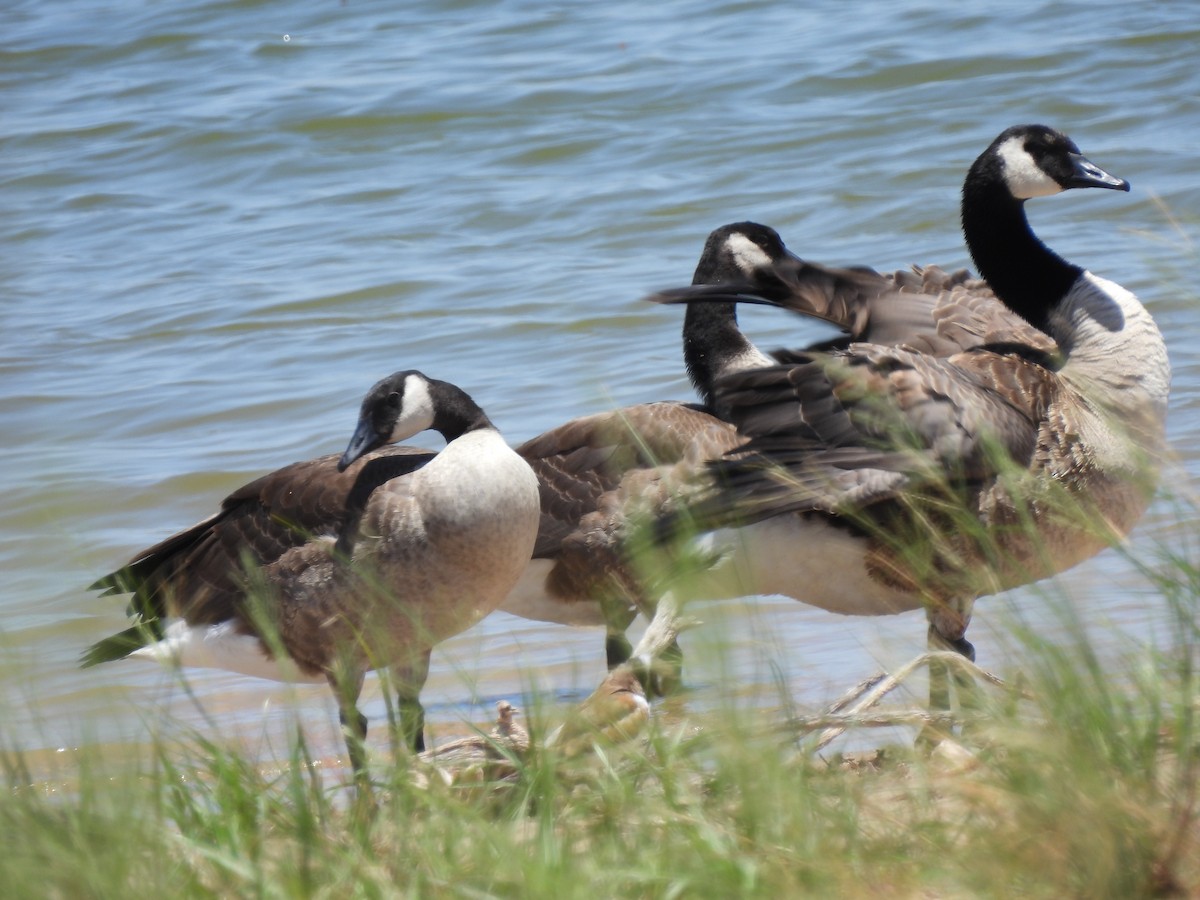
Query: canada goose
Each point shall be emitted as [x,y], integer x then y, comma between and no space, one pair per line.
[424,546]
[1058,403]
[588,469]
[600,473]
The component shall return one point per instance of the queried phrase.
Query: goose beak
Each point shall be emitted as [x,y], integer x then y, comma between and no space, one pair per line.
[365,440]
[709,293]
[770,285]
[1087,174]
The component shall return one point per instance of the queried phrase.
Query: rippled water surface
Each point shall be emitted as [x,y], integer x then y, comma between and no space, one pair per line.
[222,221]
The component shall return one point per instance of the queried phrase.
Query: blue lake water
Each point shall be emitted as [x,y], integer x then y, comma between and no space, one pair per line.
[222,221]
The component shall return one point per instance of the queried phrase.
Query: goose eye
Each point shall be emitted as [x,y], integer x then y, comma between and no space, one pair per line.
[393,400]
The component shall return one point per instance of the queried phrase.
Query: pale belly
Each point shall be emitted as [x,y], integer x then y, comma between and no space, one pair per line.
[805,560]
[799,558]
[529,599]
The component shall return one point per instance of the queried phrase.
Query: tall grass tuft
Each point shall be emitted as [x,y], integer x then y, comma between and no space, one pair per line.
[1088,789]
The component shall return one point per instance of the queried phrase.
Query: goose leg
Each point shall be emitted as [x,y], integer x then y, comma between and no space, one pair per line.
[947,629]
[347,685]
[667,678]
[618,615]
[410,677]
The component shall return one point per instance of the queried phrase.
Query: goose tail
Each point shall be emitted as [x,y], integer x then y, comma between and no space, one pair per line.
[120,645]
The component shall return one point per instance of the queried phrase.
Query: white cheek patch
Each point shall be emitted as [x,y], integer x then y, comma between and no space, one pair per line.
[747,255]
[416,411]
[1024,177]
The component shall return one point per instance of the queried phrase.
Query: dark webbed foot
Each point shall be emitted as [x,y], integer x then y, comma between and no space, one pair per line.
[962,647]
[618,614]
[412,724]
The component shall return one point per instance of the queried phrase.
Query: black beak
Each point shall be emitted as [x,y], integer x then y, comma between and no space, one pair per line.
[770,285]
[1087,174]
[709,293]
[365,440]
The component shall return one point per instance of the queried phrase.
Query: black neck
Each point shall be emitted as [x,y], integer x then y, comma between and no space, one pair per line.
[378,470]
[1025,274]
[711,338]
[455,413]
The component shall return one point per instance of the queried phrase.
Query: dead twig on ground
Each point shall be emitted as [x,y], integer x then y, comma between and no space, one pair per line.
[850,709]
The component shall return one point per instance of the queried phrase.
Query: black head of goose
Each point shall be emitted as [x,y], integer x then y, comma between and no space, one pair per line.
[713,344]
[1061,396]
[428,545]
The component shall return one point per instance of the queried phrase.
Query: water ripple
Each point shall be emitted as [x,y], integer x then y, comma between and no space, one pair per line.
[225,219]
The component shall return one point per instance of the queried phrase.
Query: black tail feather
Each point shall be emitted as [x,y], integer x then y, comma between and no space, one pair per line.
[120,645]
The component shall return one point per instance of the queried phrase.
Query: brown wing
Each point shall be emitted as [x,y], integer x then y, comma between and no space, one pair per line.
[597,474]
[968,315]
[839,432]
[582,465]
[925,309]
[199,572]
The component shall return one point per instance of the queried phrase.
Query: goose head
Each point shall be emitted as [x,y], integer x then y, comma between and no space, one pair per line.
[738,254]
[1037,161]
[395,409]
[1023,162]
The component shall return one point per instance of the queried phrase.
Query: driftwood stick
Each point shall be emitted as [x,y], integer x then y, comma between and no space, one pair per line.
[870,692]
[848,709]
[665,626]
[855,692]
[865,720]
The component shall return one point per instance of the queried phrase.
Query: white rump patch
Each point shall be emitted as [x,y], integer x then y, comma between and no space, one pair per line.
[221,646]
[416,410]
[1022,174]
[747,254]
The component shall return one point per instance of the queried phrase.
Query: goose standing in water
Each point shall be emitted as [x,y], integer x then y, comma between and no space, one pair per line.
[415,548]
[1042,422]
